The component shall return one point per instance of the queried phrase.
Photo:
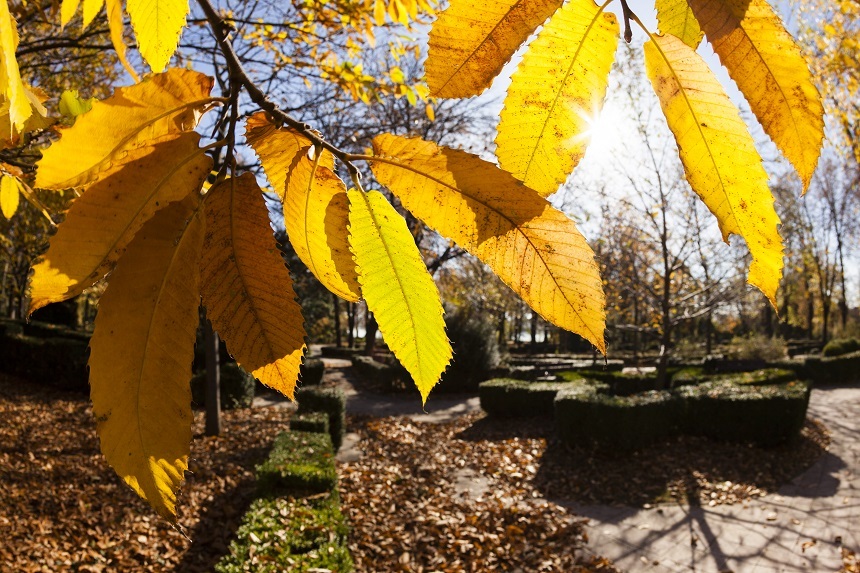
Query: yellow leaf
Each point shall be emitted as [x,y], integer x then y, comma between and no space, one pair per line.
[141,353]
[67,11]
[8,195]
[316,211]
[379,12]
[91,10]
[13,93]
[555,94]
[157,25]
[101,223]
[770,71]
[277,149]
[719,155]
[398,289]
[530,245]
[472,40]
[431,115]
[72,104]
[247,290]
[117,27]
[166,103]
[676,17]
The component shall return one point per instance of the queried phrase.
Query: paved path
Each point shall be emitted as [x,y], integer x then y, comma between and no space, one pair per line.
[799,528]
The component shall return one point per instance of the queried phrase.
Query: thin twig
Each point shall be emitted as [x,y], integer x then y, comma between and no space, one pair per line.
[628,15]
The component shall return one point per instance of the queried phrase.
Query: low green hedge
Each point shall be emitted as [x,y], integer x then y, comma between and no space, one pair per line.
[237,387]
[389,377]
[287,534]
[300,462]
[585,415]
[840,346]
[764,415]
[764,377]
[58,361]
[316,422]
[510,398]
[331,401]
[311,372]
[838,370]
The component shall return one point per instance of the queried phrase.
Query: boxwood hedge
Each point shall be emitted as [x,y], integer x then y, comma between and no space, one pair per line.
[299,462]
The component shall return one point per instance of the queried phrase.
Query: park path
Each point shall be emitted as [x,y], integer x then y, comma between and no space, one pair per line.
[800,528]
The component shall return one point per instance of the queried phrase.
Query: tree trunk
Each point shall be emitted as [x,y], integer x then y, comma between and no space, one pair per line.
[213,380]
[350,323]
[338,339]
[501,329]
[370,328]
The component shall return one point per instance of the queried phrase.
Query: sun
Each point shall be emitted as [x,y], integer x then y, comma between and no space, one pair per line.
[604,134]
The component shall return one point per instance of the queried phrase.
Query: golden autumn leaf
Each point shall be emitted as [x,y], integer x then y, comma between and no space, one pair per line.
[9,195]
[102,222]
[534,248]
[141,354]
[68,8]
[471,41]
[769,69]
[398,288]
[555,94]
[676,17]
[316,211]
[247,290]
[718,153]
[164,104]
[277,148]
[157,25]
[14,102]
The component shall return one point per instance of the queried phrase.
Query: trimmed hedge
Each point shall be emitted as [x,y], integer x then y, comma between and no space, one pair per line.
[340,352]
[311,372]
[300,462]
[237,387]
[509,398]
[584,415]
[841,346]
[390,377]
[838,370]
[726,410]
[316,422]
[287,534]
[331,401]
[60,362]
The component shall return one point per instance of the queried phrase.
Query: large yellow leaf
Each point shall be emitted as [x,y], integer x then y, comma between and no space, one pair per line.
[9,195]
[534,248]
[141,353]
[556,92]
[719,155]
[101,223]
[166,103]
[676,17]
[398,288]
[472,39]
[247,290]
[770,71]
[68,8]
[278,149]
[157,25]
[316,210]
[13,93]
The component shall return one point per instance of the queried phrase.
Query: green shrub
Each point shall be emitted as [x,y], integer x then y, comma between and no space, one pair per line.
[331,401]
[623,384]
[300,463]
[388,377]
[837,370]
[476,351]
[312,371]
[59,362]
[508,398]
[237,387]
[840,346]
[689,376]
[757,347]
[584,415]
[725,410]
[763,377]
[316,422]
[287,534]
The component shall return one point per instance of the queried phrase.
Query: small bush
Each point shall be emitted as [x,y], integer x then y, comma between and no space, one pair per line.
[726,410]
[508,398]
[237,387]
[689,376]
[476,351]
[388,377]
[300,463]
[316,422]
[836,370]
[757,347]
[312,371]
[59,362]
[287,534]
[841,346]
[762,377]
[331,401]
[584,415]
[624,384]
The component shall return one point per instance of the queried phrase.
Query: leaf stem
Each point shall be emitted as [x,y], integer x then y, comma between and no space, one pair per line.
[628,15]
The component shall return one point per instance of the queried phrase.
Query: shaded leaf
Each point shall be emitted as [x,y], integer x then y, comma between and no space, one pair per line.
[770,71]
[101,223]
[166,103]
[247,290]
[555,94]
[676,17]
[534,248]
[141,353]
[316,211]
[718,153]
[398,288]
[157,25]
[13,97]
[472,40]
[277,148]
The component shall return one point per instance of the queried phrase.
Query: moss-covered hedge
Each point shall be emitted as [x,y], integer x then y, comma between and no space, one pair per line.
[300,462]
[311,422]
[330,401]
[509,398]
